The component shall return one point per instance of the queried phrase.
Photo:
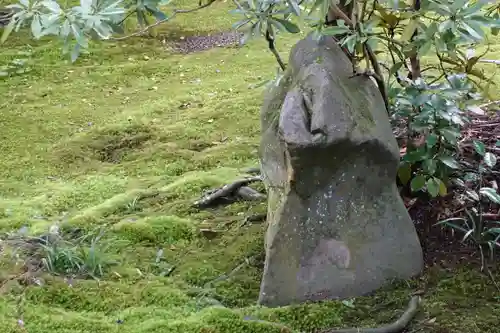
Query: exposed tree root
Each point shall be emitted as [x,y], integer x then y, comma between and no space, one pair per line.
[396,327]
[230,193]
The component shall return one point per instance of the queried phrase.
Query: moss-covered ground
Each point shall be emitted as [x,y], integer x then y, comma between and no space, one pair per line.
[127,138]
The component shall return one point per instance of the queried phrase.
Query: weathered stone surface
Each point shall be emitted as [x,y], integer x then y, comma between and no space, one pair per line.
[337,226]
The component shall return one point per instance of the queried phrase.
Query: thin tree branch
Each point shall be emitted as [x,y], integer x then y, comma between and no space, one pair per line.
[272,48]
[126,17]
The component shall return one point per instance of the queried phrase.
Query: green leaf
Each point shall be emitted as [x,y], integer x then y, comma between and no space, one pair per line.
[141,17]
[473,195]
[471,177]
[75,52]
[409,30]
[431,140]
[7,30]
[476,35]
[448,223]
[479,147]
[458,4]
[459,182]
[490,159]
[396,67]
[490,193]
[372,42]
[415,156]
[417,183]
[241,23]
[350,43]
[449,161]
[425,48]
[159,15]
[36,27]
[333,31]
[294,6]
[53,6]
[404,173]
[430,166]
[467,234]
[289,26]
[442,187]
[446,25]
[450,134]
[433,187]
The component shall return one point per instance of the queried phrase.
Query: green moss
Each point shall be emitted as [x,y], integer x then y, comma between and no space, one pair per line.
[107,144]
[157,230]
[131,142]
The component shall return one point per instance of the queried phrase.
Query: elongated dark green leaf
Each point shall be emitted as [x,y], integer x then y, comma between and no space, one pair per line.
[458,4]
[476,35]
[241,23]
[75,52]
[448,222]
[473,195]
[432,187]
[430,166]
[7,30]
[335,30]
[479,147]
[159,15]
[289,26]
[294,6]
[431,140]
[417,183]
[490,159]
[490,193]
[404,173]
[449,161]
[415,156]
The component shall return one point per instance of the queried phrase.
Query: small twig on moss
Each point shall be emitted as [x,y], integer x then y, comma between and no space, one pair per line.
[174,13]
[207,287]
[235,270]
[231,192]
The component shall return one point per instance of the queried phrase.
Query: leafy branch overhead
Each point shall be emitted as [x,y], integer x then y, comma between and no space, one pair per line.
[92,19]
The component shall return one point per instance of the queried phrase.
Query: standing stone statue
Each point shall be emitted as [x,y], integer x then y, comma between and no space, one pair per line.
[337,225]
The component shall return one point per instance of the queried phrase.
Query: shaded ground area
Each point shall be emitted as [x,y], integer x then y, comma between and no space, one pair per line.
[442,246]
[127,143]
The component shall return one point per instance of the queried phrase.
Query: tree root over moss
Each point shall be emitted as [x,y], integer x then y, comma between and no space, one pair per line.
[396,327]
[229,193]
